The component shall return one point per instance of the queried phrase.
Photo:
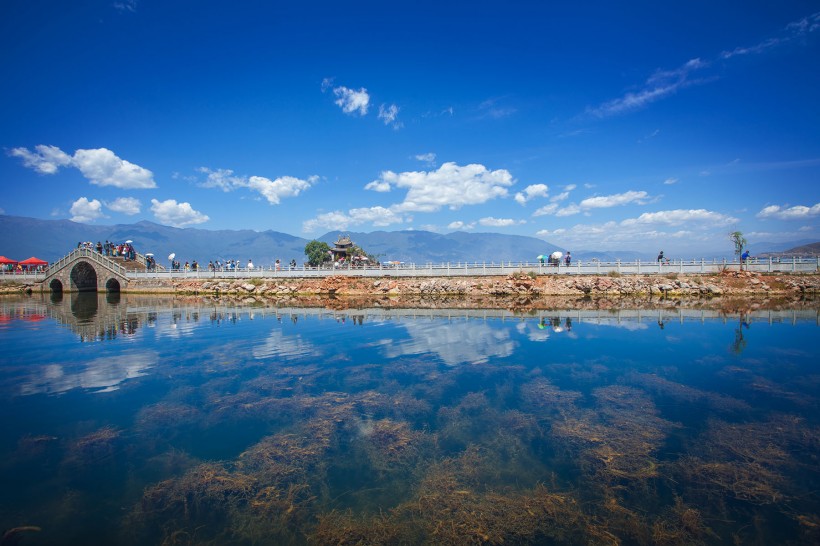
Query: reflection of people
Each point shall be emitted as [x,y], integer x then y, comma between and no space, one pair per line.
[568,323]
[660,323]
[740,341]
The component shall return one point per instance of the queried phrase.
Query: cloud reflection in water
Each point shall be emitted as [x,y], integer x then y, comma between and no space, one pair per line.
[99,375]
[454,343]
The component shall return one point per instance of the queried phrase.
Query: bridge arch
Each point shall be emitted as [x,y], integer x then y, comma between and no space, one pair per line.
[83,270]
[112,285]
[84,277]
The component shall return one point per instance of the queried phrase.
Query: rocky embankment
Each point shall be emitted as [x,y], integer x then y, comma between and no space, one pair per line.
[697,286]
[726,284]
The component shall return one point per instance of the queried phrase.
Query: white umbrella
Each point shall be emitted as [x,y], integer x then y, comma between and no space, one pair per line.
[171,256]
[129,241]
[148,254]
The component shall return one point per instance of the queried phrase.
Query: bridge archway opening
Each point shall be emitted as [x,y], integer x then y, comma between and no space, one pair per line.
[56,286]
[112,285]
[83,277]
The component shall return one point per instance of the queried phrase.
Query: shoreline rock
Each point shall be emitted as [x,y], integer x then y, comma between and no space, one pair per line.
[729,283]
[692,286]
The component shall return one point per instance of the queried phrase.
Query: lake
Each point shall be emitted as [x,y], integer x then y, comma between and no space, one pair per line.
[143,420]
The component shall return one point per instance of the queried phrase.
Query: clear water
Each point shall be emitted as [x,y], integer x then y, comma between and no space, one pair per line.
[150,421]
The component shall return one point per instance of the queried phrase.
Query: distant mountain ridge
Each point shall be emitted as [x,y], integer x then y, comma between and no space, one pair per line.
[809,250]
[22,237]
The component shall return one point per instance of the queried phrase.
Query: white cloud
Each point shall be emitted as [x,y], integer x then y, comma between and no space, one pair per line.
[44,159]
[272,190]
[126,5]
[100,166]
[797,212]
[569,210]
[664,83]
[670,181]
[683,233]
[103,168]
[499,222]
[681,216]
[548,233]
[352,101]
[602,201]
[546,210]
[85,211]
[223,179]
[530,192]
[490,108]
[659,85]
[176,214]
[378,185]
[125,205]
[458,224]
[284,186]
[606,201]
[389,114]
[429,158]
[378,216]
[450,186]
[796,29]
[329,220]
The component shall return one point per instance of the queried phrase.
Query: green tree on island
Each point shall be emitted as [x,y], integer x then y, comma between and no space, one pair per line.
[739,241]
[317,253]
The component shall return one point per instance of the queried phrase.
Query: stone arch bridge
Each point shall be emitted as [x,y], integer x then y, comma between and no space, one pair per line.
[84,270]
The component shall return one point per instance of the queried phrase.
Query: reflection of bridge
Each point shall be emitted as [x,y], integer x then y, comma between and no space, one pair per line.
[101,317]
[89,314]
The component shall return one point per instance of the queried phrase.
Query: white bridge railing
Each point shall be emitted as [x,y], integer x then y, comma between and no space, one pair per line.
[450,269]
[474,269]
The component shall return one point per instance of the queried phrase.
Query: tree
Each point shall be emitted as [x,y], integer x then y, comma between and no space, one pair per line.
[739,241]
[317,252]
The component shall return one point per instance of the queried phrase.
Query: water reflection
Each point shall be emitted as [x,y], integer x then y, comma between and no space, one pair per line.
[98,375]
[740,341]
[453,343]
[84,306]
[205,421]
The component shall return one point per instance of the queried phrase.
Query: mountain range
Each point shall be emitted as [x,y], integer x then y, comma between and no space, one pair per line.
[22,237]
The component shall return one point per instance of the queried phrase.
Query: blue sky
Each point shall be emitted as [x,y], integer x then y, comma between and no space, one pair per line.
[594,125]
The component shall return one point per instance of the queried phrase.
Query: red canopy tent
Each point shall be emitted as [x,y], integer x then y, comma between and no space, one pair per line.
[33,262]
[7,261]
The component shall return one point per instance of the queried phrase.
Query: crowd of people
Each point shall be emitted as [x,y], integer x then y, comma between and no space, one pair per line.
[225,265]
[126,250]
